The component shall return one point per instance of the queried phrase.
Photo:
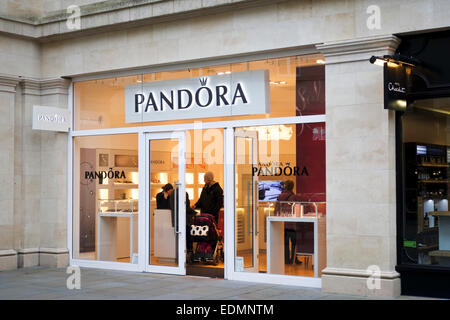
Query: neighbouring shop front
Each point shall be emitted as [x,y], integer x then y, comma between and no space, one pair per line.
[258,126]
[423,157]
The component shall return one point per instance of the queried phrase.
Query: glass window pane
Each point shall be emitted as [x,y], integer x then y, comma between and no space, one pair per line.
[296,88]
[280,212]
[106,193]
[426,218]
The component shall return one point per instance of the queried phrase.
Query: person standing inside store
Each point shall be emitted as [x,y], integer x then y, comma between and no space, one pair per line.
[211,197]
[290,234]
[190,213]
[162,198]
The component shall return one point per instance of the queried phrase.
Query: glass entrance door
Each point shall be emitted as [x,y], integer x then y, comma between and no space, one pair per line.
[247,235]
[166,217]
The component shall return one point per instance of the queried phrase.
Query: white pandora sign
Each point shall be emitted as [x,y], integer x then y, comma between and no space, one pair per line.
[51,119]
[240,93]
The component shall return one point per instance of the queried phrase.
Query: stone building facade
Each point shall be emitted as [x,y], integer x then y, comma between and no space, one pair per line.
[40,55]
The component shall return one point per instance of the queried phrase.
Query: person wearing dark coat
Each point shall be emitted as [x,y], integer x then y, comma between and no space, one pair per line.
[162,198]
[290,232]
[190,213]
[211,197]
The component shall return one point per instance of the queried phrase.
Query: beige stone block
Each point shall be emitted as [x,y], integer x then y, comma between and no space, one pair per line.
[354,121]
[141,12]
[369,87]
[389,288]
[169,50]
[31,186]
[368,152]
[33,164]
[210,24]
[328,7]
[119,16]
[342,219]
[28,259]
[213,3]
[163,8]
[7,212]
[138,36]
[8,261]
[185,6]
[172,30]
[294,10]
[94,21]
[339,89]
[5,162]
[375,219]
[53,141]
[53,234]
[51,28]
[59,260]
[53,211]
[53,163]
[255,18]
[359,186]
[338,26]
[341,250]
[6,231]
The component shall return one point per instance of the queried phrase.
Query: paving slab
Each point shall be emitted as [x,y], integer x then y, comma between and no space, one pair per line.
[50,284]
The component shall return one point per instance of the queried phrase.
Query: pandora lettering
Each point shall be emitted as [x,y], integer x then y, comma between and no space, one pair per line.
[184,98]
[220,95]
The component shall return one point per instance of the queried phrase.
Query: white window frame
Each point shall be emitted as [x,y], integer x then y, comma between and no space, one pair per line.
[229,183]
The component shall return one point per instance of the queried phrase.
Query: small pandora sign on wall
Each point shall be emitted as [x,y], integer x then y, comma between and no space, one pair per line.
[240,93]
[51,119]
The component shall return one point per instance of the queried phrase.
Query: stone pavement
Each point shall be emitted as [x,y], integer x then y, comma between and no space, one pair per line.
[50,283]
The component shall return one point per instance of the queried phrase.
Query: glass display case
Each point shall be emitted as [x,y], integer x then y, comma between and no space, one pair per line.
[118,206]
[297,209]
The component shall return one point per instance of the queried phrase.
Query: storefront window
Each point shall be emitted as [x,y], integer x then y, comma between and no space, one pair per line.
[426,217]
[294,83]
[280,199]
[105,198]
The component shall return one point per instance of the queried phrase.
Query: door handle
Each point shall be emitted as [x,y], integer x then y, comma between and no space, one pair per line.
[176,207]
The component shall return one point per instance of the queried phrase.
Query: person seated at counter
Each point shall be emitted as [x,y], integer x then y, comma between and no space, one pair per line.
[290,233]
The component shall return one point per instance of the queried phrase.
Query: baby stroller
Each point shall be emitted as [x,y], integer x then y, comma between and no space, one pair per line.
[204,232]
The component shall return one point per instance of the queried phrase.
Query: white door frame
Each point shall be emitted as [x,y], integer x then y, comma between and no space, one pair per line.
[180,227]
[253,135]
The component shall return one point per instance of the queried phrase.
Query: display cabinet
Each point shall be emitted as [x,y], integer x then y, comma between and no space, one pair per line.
[426,192]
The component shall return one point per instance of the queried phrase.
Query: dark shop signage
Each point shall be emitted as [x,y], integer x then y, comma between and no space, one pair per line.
[395,84]
[279,170]
[110,174]
[239,93]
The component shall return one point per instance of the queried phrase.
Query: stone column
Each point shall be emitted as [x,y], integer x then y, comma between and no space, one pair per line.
[8,256]
[360,169]
[28,175]
[53,158]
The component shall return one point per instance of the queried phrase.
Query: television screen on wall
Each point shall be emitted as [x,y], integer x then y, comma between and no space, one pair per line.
[269,190]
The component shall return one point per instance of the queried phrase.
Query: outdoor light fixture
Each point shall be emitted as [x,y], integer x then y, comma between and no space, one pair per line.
[394,60]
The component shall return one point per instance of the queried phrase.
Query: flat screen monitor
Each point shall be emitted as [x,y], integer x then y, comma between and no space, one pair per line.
[269,190]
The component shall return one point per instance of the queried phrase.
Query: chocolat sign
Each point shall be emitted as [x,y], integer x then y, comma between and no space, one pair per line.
[240,93]
[395,87]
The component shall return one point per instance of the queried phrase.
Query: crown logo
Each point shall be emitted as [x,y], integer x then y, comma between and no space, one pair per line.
[203,81]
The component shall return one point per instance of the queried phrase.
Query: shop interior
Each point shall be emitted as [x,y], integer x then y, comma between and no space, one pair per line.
[105,210]
[426,171]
